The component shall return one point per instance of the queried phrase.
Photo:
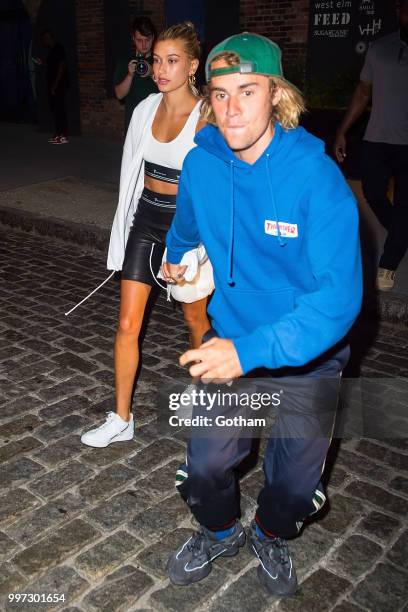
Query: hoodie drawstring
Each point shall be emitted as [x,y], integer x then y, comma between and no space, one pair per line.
[231,236]
[275,208]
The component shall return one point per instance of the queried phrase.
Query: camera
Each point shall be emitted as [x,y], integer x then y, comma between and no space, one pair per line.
[143,67]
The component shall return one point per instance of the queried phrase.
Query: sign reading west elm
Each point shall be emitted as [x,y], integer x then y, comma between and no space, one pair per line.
[340,32]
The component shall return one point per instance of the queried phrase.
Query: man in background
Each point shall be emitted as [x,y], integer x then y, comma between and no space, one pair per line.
[384,81]
[132,85]
[57,80]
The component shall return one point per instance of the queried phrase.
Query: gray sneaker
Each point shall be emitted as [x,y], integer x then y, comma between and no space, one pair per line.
[276,571]
[192,562]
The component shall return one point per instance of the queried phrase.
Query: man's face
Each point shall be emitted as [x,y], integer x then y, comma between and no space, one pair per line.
[242,105]
[142,43]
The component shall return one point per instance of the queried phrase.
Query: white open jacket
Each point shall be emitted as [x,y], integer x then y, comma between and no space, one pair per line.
[130,190]
[132,177]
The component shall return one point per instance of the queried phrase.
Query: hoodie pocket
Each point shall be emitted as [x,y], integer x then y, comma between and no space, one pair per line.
[242,311]
[267,305]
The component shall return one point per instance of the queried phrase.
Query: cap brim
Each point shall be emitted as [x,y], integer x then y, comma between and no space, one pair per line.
[233,70]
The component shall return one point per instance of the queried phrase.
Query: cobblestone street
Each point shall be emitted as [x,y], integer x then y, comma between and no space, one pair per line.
[97,525]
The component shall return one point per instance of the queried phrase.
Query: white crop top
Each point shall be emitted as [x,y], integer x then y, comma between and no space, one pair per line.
[171,154]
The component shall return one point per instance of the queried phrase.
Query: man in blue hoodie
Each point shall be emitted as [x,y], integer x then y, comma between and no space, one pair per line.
[280,226]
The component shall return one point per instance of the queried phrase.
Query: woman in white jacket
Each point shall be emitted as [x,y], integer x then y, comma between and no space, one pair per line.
[160,135]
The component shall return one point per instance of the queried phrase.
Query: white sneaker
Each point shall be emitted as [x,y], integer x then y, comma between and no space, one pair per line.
[115,429]
[385,279]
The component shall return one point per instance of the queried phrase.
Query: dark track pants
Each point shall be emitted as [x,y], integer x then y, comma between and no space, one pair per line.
[380,163]
[293,461]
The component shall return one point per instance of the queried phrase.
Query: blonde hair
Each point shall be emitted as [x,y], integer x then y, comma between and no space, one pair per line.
[288,110]
[186,32]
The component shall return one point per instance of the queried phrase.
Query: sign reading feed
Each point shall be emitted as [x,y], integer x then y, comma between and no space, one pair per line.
[340,32]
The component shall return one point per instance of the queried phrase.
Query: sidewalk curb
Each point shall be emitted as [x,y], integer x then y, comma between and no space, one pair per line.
[81,234]
[390,308]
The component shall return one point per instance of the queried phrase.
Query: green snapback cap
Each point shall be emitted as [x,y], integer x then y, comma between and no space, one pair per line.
[257,55]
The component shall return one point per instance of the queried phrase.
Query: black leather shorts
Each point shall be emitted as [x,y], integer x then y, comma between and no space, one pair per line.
[147,237]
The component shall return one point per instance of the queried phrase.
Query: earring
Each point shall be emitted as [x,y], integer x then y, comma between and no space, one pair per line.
[192,80]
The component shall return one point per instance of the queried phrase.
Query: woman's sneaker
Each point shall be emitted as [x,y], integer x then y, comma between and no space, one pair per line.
[115,429]
[276,571]
[192,562]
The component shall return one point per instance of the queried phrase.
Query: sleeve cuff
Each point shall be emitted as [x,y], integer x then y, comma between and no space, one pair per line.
[253,351]
[174,256]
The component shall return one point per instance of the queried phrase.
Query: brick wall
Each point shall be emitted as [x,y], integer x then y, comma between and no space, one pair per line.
[98,113]
[284,21]
[150,8]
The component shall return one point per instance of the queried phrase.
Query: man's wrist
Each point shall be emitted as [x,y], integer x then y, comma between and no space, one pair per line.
[174,257]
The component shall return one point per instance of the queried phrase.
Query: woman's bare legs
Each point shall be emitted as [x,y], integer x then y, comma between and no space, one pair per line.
[195,315]
[133,300]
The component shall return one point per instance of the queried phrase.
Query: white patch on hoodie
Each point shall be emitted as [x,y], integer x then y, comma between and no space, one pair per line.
[287,230]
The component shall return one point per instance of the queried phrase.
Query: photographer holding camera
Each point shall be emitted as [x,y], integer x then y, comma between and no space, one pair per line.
[133,76]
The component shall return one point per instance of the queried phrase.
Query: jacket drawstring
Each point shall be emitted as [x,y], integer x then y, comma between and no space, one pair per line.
[275,208]
[92,292]
[165,287]
[231,236]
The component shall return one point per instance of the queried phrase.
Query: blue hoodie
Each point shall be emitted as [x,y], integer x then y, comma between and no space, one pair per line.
[282,236]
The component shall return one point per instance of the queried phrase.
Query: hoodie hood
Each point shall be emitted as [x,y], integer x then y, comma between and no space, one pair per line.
[297,144]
